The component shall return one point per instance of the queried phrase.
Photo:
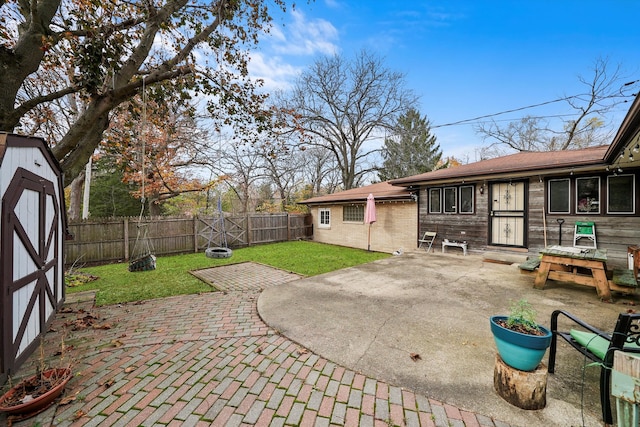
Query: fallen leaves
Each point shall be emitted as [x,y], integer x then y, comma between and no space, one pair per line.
[117,343]
[103,326]
[70,310]
[67,399]
[108,383]
[86,321]
[75,278]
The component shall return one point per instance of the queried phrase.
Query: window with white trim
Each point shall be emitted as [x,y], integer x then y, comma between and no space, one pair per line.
[466,199]
[559,191]
[435,200]
[353,213]
[621,193]
[588,195]
[324,218]
[450,194]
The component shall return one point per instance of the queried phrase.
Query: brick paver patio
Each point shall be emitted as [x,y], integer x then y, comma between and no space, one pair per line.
[208,360]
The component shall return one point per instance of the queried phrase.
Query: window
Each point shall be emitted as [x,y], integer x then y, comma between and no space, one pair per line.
[324,218]
[450,200]
[588,195]
[621,194]
[559,195]
[466,199]
[435,202]
[353,213]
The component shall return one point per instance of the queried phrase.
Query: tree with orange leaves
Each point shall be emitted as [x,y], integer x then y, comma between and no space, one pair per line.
[103,53]
[158,152]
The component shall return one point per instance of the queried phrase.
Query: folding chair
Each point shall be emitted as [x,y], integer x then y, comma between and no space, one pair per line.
[586,230]
[428,239]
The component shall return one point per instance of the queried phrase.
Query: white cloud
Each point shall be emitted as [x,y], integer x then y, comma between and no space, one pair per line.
[306,37]
[276,73]
[286,50]
[333,4]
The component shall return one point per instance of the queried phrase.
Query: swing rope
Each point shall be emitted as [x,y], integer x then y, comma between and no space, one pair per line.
[143,258]
[219,222]
[221,251]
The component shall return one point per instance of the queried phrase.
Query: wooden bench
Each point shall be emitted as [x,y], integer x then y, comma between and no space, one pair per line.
[529,266]
[597,346]
[626,279]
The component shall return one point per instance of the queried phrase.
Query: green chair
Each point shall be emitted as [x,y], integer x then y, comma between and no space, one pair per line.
[585,230]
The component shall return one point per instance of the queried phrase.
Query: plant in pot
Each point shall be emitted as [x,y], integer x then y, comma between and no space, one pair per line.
[36,393]
[520,340]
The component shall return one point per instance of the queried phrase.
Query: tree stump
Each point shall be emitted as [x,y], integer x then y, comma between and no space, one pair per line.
[526,390]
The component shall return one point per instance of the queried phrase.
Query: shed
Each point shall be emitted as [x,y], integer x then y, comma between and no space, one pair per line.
[32,234]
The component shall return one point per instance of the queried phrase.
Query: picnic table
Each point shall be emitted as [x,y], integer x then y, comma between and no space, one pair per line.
[583,266]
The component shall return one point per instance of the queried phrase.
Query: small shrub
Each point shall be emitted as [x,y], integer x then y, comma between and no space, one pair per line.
[523,318]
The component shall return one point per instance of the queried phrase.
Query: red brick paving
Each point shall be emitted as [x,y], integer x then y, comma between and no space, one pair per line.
[209,360]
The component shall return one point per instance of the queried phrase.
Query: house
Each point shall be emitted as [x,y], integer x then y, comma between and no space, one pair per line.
[32,233]
[339,218]
[528,200]
[519,203]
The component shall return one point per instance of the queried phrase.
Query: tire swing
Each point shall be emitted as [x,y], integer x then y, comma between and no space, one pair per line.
[142,257]
[221,251]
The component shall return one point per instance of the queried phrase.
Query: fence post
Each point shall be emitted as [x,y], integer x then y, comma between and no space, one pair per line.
[195,234]
[248,229]
[126,239]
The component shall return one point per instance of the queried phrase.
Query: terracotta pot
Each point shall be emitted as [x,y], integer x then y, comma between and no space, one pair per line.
[39,403]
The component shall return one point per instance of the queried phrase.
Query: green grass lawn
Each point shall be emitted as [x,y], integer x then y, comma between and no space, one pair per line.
[115,284]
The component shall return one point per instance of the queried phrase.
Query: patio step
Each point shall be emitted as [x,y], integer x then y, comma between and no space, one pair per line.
[504,257]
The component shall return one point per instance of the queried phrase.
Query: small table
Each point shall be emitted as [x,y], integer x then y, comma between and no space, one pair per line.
[562,263]
[455,243]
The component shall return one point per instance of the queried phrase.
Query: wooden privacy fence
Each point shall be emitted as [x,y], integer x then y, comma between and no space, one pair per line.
[112,239]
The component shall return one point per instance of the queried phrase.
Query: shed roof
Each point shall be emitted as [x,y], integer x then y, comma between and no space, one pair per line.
[13,140]
[519,164]
[381,191]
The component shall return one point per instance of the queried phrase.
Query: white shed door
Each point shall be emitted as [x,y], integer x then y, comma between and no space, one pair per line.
[30,251]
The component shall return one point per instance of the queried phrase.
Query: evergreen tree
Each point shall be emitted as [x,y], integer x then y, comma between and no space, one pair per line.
[109,195]
[412,149]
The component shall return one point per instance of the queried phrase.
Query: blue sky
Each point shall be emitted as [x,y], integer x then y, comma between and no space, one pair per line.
[464,58]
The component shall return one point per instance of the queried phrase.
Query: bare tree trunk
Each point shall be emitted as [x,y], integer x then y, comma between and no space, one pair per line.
[75,199]
[154,208]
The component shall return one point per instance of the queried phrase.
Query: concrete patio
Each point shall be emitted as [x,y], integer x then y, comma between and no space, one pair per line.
[372,317]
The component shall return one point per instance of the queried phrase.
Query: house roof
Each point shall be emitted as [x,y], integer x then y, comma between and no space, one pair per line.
[381,191]
[514,165]
[628,133]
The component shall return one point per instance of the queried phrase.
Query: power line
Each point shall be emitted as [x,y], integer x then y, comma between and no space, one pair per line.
[459,122]
[549,116]
[475,119]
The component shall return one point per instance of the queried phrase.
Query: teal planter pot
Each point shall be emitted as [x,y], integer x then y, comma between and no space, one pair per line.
[520,351]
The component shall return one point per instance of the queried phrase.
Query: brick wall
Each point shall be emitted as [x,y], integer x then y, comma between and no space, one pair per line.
[396,228]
